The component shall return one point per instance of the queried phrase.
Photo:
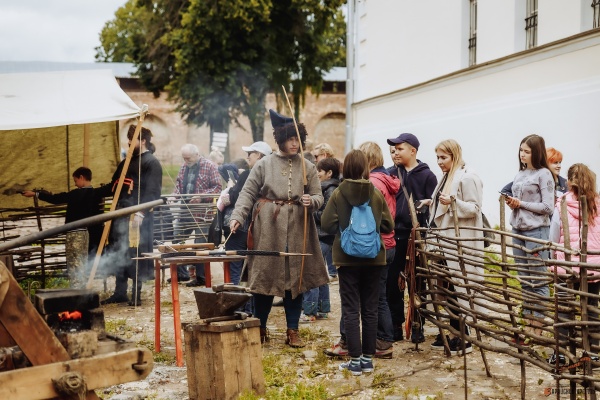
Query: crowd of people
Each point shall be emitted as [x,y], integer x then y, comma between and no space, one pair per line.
[298,201]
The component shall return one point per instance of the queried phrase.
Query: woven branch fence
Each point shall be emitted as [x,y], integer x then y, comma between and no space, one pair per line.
[185,218]
[484,291]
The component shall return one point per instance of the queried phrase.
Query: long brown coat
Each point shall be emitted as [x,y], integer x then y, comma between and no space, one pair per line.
[270,178]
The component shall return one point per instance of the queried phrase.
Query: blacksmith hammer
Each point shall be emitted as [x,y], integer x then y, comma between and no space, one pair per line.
[228,287]
[237,315]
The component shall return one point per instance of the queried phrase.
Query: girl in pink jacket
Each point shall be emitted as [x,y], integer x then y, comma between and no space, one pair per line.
[581,181]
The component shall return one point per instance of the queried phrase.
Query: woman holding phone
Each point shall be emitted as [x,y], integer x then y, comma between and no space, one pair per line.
[532,204]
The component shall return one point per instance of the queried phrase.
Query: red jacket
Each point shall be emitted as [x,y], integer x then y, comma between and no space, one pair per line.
[388,185]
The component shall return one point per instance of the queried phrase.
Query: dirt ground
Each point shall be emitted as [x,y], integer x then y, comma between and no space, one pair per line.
[410,374]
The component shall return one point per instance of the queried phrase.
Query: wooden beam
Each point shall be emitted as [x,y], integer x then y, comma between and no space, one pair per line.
[29,330]
[86,145]
[98,372]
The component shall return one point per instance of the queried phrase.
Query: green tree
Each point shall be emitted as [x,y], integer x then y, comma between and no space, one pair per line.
[218,59]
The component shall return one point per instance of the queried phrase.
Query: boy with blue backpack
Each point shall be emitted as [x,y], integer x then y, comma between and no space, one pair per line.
[357,214]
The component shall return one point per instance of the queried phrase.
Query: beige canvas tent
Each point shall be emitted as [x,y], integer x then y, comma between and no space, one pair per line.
[52,123]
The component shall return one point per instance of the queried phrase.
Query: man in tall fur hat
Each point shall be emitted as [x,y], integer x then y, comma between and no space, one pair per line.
[275,195]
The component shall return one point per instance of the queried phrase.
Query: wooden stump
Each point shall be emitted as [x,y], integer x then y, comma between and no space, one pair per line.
[223,359]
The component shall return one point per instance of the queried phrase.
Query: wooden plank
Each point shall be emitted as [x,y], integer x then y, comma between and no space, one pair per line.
[100,371]
[106,346]
[192,349]
[5,339]
[28,329]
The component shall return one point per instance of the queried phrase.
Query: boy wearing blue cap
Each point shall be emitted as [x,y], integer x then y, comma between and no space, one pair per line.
[416,180]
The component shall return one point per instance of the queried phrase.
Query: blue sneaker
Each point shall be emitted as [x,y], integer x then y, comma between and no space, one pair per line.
[366,366]
[355,370]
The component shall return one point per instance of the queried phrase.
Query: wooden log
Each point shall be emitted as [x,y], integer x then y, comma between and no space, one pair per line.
[224,359]
[100,371]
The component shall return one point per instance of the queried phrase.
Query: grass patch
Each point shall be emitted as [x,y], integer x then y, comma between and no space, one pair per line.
[51,282]
[493,269]
[117,326]
[157,356]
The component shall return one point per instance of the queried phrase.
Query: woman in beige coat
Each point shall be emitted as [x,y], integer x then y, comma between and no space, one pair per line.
[464,185]
[274,194]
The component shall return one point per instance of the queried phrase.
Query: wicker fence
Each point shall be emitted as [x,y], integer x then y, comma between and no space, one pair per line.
[181,219]
[483,290]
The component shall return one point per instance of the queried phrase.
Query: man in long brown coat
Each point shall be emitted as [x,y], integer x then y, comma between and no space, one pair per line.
[274,194]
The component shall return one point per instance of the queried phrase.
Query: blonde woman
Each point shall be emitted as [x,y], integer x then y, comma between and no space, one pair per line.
[321,151]
[464,185]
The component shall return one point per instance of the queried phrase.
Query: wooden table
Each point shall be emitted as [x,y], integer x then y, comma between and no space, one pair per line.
[173,263]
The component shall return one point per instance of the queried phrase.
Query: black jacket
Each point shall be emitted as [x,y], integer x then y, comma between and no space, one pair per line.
[327,187]
[420,182]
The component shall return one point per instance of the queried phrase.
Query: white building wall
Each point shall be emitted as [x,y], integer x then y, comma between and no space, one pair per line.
[558,19]
[404,42]
[412,77]
[500,28]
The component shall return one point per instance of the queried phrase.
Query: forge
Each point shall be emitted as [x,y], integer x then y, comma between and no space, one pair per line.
[60,338]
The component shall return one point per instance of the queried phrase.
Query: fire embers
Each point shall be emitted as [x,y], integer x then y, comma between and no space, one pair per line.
[70,322]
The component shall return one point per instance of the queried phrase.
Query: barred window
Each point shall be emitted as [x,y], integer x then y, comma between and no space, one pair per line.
[473,33]
[531,23]
[596,8]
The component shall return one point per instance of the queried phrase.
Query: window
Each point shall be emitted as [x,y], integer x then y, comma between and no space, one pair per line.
[596,8]
[473,33]
[531,23]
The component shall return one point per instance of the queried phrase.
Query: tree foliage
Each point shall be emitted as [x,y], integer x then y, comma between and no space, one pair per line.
[218,59]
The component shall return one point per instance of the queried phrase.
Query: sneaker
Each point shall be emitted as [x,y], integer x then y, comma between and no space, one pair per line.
[438,344]
[355,370]
[307,319]
[383,344]
[321,315]
[456,347]
[366,366]
[387,353]
[340,349]
[562,360]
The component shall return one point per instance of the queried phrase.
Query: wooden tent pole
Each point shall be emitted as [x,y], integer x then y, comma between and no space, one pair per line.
[86,145]
[113,206]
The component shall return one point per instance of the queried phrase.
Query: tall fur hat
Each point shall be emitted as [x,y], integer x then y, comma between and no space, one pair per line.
[283,128]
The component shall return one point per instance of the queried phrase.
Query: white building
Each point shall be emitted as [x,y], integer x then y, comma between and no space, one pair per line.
[471,71]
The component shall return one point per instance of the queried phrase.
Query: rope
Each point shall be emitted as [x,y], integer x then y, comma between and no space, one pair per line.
[71,384]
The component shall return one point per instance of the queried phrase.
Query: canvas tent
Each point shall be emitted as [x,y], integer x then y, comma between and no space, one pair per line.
[52,123]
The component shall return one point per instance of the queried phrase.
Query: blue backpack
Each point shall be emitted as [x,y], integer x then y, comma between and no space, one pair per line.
[360,238]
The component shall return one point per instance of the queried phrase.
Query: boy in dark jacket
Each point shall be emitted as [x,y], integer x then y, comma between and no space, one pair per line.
[419,182]
[82,202]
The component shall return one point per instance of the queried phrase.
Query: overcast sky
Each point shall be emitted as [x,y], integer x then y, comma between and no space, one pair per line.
[53,30]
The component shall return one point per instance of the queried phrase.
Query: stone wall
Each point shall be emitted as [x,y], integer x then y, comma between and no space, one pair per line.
[323,116]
